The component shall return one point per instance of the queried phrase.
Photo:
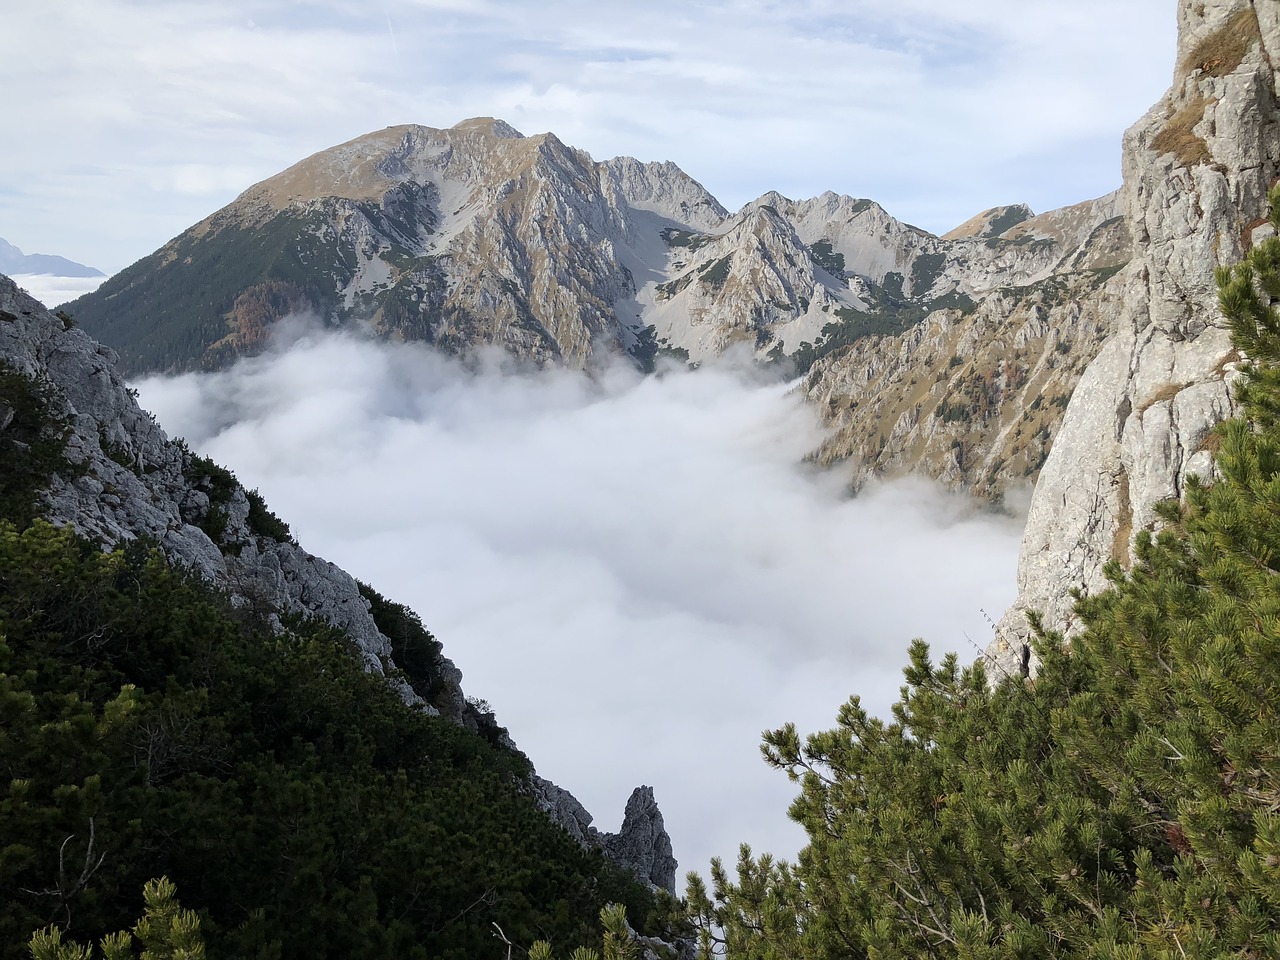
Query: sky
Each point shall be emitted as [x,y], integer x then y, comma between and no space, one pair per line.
[130,120]
[639,574]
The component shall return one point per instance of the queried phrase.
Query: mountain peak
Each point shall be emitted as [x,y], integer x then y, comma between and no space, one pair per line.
[14,261]
[489,127]
[991,223]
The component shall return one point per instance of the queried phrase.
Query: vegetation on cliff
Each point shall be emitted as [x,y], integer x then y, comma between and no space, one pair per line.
[1124,803]
[301,808]
[150,728]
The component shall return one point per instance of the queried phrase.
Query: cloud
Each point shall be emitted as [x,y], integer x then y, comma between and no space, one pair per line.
[54,291]
[638,574]
[935,110]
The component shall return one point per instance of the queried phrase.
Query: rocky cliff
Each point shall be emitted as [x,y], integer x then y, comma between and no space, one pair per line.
[973,398]
[124,480]
[1197,169]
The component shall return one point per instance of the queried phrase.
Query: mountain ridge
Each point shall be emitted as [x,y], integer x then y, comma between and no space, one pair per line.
[476,234]
[13,260]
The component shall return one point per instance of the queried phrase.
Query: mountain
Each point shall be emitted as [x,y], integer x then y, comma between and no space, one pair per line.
[1197,168]
[472,235]
[51,280]
[188,540]
[952,356]
[477,235]
[973,397]
[13,260]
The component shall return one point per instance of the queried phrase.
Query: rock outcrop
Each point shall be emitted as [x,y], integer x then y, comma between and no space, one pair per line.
[1197,169]
[971,398]
[642,844]
[128,481]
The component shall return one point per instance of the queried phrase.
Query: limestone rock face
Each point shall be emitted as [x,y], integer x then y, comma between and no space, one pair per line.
[563,807]
[1196,172]
[972,399]
[971,394]
[642,844]
[788,277]
[133,482]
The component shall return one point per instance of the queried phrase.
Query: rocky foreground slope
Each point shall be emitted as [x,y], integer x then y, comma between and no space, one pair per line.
[1197,169]
[126,480]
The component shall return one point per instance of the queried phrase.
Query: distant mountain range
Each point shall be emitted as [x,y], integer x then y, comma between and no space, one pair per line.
[14,261]
[479,235]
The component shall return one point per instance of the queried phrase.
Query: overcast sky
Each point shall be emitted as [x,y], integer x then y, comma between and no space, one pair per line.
[638,574]
[129,120]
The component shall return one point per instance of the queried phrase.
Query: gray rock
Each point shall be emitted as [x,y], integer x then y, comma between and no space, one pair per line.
[564,808]
[134,483]
[643,845]
[1138,421]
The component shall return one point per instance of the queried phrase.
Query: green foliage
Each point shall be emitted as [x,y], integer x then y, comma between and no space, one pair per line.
[827,258]
[972,398]
[890,315]
[679,354]
[672,287]
[619,940]
[302,809]
[676,237]
[645,350]
[716,273]
[1123,804]
[1254,319]
[166,931]
[265,523]
[32,440]
[926,268]
[1010,217]
[416,652]
[165,311]
[220,485]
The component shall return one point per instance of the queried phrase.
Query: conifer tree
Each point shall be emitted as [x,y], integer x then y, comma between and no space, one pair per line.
[165,931]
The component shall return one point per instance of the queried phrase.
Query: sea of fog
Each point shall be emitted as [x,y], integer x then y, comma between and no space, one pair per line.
[639,574]
[54,291]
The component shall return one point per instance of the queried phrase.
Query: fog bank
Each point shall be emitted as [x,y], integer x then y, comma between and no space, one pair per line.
[637,573]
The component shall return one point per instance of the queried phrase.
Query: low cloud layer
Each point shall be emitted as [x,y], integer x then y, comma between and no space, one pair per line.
[54,291]
[638,574]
